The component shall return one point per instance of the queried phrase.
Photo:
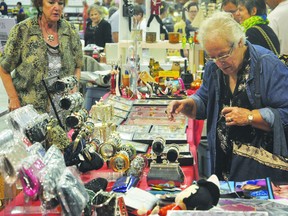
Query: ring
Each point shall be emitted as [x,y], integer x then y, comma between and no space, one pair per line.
[230,119]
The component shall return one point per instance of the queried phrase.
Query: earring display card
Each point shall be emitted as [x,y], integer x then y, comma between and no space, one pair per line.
[120,100]
[154,121]
[118,105]
[153,102]
[134,128]
[126,135]
[149,137]
[117,120]
[140,147]
[121,113]
[140,114]
[149,109]
[160,129]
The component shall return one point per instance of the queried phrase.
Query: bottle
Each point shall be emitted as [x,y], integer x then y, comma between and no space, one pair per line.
[113,83]
[125,79]
[133,65]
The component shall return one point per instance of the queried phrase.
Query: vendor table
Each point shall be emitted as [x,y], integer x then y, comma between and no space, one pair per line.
[18,206]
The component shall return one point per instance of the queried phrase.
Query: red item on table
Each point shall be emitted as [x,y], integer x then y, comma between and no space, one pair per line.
[163,211]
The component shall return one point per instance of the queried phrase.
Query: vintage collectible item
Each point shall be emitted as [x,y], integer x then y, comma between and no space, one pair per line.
[137,165]
[56,135]
[71,102]
[63,85]
[102,112]
[105,203]
[161,170]
[107,150]
[202,195]
[120,161]
[72,194]
[158,145]
[77,119]
[29,176]
[124,183]
[161,173]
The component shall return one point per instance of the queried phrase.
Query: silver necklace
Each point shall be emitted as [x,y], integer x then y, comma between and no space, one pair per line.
[50,37]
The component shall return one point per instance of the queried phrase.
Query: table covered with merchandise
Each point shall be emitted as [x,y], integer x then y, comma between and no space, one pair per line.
[153,164]
[42,194]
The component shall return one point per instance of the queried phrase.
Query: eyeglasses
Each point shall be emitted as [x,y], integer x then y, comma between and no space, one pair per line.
[223,57]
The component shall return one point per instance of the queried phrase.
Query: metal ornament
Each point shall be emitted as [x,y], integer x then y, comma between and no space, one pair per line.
[50,38]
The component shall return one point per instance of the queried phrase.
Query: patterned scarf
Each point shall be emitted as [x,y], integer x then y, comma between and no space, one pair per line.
[254,20]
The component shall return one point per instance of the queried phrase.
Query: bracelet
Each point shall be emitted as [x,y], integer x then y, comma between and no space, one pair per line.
[30,182]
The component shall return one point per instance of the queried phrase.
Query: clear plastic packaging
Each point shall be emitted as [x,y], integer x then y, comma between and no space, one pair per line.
[72,194]
[12,152]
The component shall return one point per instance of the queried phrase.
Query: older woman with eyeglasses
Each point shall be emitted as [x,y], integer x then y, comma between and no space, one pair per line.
[228,98]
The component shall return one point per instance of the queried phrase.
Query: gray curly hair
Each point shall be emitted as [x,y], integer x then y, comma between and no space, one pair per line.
[222,25]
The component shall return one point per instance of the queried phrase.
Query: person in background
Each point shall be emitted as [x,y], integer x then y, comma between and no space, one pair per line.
[114,22]
[98,30]
[227,100]
[278,21]
[21,14]
[192,10]
[38,48]
[111,11]
[106,3]
[3,8]
[85,15]
[20,8]
[231,6]
[142,4]
[252,14]
[170,19]
[139,22]
[163,14]
[179,5]
[180,26]
[189,12]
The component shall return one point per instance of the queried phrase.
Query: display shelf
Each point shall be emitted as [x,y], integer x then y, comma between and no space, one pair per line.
[158,51]
[157,45]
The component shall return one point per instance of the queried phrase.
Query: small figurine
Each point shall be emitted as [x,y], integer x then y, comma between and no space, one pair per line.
[202,195]
[155,12]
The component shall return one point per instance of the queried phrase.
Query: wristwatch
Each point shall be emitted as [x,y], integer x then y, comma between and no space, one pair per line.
[250,118]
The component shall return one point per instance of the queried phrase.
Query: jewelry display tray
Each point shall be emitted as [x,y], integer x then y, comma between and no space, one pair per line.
[185,156]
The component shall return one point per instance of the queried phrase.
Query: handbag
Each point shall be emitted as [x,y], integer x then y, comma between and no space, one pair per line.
[253,161]
[107,204]
[282,57]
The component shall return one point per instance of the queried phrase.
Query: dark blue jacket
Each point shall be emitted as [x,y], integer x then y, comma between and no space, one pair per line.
[273,90]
